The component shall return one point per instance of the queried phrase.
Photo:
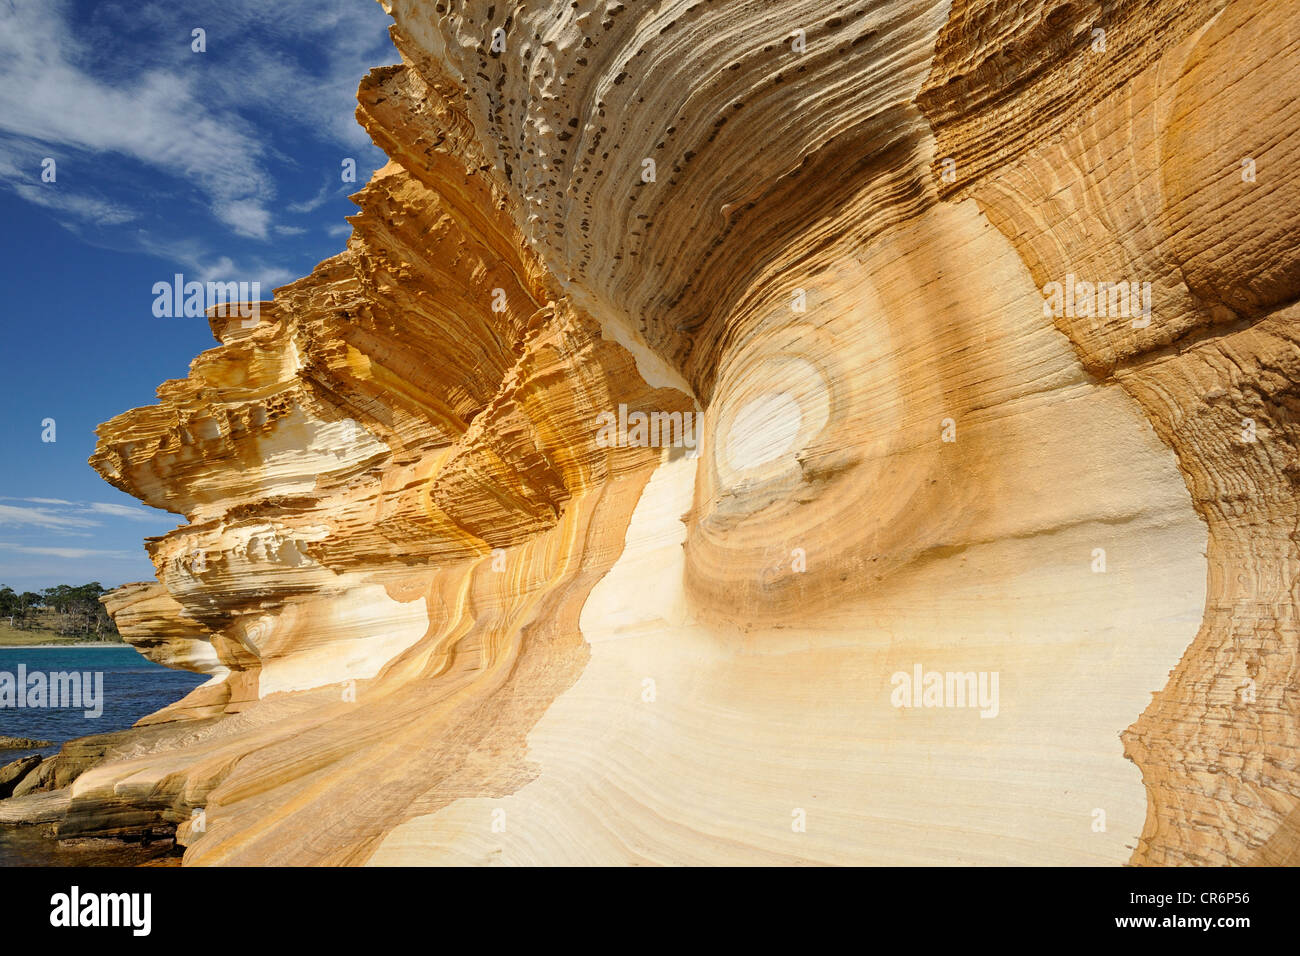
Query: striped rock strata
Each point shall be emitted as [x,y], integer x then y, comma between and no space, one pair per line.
[446,621]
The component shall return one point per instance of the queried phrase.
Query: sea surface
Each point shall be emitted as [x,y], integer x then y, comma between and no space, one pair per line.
[133,688]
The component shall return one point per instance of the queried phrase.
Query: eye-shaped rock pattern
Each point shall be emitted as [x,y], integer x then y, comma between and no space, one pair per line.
[741,432]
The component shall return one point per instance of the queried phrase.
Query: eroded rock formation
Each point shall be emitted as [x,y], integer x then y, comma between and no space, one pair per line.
[447,621]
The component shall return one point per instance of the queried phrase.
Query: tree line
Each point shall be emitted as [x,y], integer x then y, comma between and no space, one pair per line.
[70,610]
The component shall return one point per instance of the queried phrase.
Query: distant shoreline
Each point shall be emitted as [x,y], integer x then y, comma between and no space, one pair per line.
[38,647]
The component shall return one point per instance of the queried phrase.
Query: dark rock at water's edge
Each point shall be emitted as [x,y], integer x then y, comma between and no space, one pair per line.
[73,758]
[11,774]
[22,743]
[39,793]
[38,845]
[36,797]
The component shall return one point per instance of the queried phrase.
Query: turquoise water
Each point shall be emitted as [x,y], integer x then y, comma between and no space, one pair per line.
[133,687]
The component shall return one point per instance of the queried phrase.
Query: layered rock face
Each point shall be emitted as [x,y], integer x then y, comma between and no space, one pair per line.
[452,615]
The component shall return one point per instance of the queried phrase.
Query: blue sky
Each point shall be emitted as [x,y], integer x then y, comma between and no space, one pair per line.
[222,165]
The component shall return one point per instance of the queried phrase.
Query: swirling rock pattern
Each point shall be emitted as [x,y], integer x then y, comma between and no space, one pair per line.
[446,622]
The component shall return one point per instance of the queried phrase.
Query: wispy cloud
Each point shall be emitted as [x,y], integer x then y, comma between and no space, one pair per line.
[55,514]
[345,39]
[49,96]
[224,269]
[70,553]
[25,181]
[99,211]
[248,217]
[200,265]
[43,517]
[125,511]
[311,205]
[174,110]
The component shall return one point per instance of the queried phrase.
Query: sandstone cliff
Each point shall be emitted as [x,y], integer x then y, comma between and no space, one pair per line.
[446,621]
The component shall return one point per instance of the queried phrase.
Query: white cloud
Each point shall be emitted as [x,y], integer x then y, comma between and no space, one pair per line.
[84,207]
[114,93]
[125,511]
[345,39]
[156,117]
[225,270]
[72,553]
[247,217]
[56,514]
[206,268]
[42,517]
[311,205]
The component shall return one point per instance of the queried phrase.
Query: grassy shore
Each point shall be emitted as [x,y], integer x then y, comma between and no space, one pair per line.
[26,637]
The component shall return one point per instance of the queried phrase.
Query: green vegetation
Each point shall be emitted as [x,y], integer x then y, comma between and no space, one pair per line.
[63,614]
